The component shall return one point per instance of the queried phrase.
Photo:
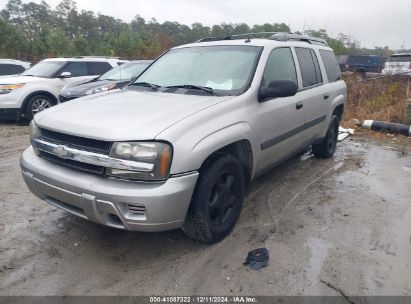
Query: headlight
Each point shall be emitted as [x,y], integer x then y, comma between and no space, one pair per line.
[34,133]
[7,88]
[101,89]
[154,157]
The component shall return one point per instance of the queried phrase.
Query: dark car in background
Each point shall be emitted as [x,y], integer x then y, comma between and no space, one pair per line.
[365,63]
[113,79]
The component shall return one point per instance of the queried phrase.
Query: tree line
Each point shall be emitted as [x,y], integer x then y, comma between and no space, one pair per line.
[31,31]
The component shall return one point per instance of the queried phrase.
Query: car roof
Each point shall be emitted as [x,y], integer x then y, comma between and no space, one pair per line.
[141,61]
[400,54]
[255,42]
[88,58]
[15,61]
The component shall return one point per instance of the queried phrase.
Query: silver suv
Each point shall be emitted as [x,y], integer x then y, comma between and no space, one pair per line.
[178,147]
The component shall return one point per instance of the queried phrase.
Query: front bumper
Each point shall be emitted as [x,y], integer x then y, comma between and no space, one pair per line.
[137,206]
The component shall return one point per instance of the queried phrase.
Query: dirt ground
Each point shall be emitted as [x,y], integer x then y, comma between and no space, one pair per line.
[332,227]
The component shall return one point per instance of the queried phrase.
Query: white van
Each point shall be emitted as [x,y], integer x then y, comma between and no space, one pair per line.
[398,64]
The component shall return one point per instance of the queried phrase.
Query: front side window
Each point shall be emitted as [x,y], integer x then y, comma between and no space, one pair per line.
[76,68]
[45,69]
[280,66]
[225,69]
[331,65]
[310,69]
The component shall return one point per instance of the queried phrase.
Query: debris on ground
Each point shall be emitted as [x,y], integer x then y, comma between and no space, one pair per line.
[344,133]
[388,127]
[257,258]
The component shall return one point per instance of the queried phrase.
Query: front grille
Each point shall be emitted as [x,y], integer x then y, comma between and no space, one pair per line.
[73,164]
[86,144]
[66,98]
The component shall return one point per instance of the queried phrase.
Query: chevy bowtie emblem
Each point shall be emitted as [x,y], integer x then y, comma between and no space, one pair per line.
[60,151]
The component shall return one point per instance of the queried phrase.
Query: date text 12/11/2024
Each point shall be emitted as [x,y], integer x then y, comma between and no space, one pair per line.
[203,299]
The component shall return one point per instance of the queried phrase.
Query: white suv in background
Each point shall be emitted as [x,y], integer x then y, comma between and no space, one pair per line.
[38,87]
[398,64]
[13,67]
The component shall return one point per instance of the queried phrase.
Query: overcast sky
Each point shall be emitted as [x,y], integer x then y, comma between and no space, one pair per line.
[372,22]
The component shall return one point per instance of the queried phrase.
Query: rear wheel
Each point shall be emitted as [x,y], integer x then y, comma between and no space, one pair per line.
[326,147]
[36,104]
[217,200]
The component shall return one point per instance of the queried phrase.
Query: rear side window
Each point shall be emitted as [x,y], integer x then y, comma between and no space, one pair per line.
[280,66]
[76,68]
[310,69]
[98,68]
[331,65]
[11,69]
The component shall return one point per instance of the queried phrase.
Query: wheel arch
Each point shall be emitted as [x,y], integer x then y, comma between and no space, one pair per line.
[242,150]
[39,92]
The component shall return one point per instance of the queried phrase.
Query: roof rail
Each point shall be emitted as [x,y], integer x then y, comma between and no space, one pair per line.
[291,36]
[278,36]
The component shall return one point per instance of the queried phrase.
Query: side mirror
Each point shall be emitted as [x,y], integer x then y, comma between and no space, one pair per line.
[65,75]
[277,88]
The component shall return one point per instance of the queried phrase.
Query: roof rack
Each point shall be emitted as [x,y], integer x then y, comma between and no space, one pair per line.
[277,36]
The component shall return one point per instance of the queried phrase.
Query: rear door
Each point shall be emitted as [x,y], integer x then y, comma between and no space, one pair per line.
[281,119]
[314,93]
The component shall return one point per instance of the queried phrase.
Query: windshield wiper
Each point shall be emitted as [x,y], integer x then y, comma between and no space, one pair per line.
[146,84]
[193,87]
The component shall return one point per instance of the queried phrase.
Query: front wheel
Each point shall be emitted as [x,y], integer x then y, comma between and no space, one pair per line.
[326,147]
[36,104]
[217,200]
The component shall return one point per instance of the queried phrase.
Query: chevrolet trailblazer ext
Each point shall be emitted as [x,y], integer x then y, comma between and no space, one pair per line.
[178,146]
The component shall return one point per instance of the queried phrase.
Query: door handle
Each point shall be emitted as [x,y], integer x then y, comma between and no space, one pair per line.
[299,105]
[326,95]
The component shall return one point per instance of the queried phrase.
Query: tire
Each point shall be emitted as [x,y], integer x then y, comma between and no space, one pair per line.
[217,200]
[36,104]
[326,147]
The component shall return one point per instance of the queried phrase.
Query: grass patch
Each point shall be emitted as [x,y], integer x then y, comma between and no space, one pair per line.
[378,99]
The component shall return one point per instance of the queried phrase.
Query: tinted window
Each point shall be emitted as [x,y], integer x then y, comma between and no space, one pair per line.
[280,66]
[76,69]
[98,68]
[331,65]
[10,69]
[310,70]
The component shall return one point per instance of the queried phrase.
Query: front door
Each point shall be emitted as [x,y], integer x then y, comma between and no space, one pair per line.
[281,119]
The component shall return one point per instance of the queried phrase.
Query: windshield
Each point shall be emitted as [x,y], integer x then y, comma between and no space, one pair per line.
[45,69]
[125,72]
[226,69]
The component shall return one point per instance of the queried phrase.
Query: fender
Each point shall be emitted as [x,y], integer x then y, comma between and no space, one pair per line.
[196,154]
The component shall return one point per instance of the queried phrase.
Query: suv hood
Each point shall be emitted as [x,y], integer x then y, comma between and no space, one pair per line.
[20,79]
[123,114]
